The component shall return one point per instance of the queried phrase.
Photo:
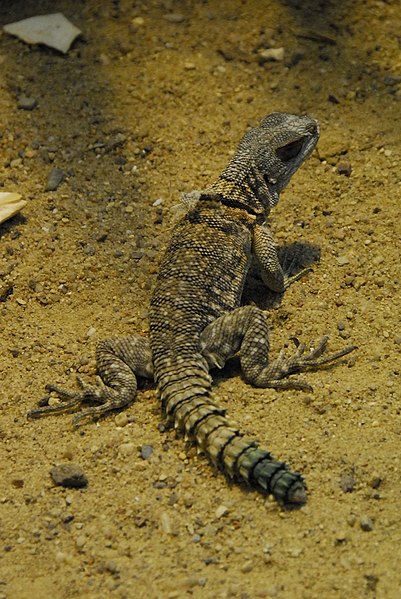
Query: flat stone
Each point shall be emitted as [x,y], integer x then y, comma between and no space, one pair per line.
[69,475]
[26,102]
[55,178]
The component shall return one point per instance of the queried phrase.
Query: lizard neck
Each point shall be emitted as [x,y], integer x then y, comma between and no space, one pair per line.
[251,192]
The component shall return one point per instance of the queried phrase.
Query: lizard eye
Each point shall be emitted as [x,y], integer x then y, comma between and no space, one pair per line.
[290,151]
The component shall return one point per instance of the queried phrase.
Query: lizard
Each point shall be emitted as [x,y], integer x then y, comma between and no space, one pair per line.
[196,320]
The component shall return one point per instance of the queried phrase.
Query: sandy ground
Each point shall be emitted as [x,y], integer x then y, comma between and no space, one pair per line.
[145,106]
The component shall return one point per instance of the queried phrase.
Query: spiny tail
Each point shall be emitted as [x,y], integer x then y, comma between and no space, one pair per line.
[201,419]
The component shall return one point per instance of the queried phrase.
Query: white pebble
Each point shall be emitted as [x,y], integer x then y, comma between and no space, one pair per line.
[221,511]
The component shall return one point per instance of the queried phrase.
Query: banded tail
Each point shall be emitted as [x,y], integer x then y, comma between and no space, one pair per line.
[187,402]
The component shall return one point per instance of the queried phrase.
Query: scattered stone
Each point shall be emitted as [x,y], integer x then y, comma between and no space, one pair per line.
[80,541]
[341,537]
[376,481]
[345,169]
[295,551]
[342,260]
[55,178]
[366,523]
[351,519]
[127,449]
[247,567]
[16,163]
[69,475]
[89,249]
[138,21]
[371,581]
[194,581]
[347,482]
[146,451]
[26,102]
[174,17]
[172,500]
[273,54]
[166,523]
[188,500]
[333,99]
[221,511]
[121,419]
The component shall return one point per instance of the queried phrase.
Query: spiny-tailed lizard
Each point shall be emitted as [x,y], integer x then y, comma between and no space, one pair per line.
[197,322]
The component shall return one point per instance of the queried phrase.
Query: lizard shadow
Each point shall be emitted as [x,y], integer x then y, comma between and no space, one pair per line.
[294,258]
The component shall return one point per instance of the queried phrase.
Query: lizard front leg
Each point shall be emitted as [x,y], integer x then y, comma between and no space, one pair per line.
[119,361]
[274,276]
[246,330]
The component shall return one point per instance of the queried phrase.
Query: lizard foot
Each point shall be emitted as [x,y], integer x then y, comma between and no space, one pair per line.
[107,398]
[300,361]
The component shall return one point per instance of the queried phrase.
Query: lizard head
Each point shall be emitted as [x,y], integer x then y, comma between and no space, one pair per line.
[268,156]
[285,141]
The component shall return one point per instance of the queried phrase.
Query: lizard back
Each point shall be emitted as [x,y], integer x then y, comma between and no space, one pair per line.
[202,278]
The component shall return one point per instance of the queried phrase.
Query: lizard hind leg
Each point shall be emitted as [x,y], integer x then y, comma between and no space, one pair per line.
[119,361]
[301,361]
[246,330]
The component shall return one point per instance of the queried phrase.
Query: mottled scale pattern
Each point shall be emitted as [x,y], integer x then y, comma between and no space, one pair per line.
[196,319]
[214,244]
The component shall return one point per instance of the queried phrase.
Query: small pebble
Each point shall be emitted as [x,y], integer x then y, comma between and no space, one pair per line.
[69,475]
[351,519]
[221,511]
[188,500]
[247,567]
[55,178]
[127,449]
[174,17]
[166,523]
[121,419]
[138,21]
[376,481]
[347,482]
[26,102]
[80,541]
[146,451]
[342,260]
[275,54]
[366,523]
[345,169]
[295,551]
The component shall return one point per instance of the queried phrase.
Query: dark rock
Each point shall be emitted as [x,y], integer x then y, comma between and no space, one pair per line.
[69,475]
[56,176]
[344,169]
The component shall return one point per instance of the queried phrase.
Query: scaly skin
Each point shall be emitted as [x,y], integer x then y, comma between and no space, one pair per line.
[196,321]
